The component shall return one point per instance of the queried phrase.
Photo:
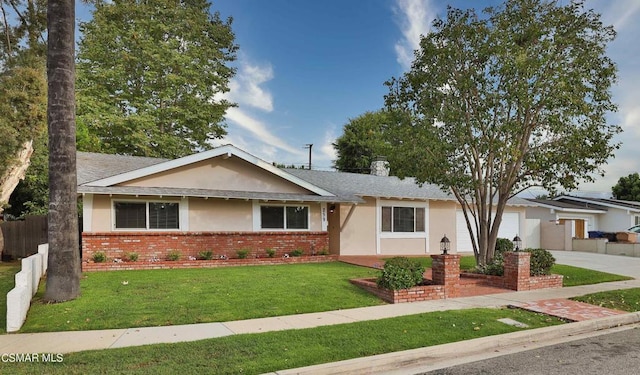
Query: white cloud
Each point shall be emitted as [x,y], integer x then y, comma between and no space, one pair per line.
[620,13]
[245,87]
[326,148]
[260,132]
[415,17]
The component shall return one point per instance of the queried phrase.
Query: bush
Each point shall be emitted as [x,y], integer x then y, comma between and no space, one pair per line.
[503,245]
[131,257]
[205,255]
[297,253]
[173,255]
[541,262]
[99,257]
[270,252]
[242,253]
[400,273]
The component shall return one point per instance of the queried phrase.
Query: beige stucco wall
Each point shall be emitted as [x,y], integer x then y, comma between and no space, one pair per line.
[403,246]
[101,219]
[220,174]
[442,220]
[358,235]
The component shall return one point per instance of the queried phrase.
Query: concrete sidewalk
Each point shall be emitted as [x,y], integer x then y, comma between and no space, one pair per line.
[66,342]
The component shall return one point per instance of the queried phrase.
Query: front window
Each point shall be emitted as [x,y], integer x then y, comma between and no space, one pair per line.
[403,219]
[284,217]
[146,215]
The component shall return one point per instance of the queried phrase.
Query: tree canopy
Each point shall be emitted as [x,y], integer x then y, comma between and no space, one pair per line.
[497,102]
[361,142]
[150,77]
[627,188]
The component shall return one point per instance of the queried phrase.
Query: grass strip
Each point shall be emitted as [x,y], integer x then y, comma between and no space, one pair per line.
[272,351]
[574,276]
[623,300]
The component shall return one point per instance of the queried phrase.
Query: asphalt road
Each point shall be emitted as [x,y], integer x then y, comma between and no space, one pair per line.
[609,354]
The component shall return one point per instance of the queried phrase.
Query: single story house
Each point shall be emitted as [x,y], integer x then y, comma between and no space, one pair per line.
[226,199]
[586,214]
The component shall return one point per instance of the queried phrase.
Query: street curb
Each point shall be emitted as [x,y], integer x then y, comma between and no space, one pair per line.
[439,354]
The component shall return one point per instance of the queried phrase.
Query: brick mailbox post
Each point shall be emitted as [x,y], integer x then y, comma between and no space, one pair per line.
[446,271]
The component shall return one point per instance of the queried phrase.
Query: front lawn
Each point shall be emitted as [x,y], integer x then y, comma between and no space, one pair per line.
[574,276]
[272,351]
[624,299]
[124,299]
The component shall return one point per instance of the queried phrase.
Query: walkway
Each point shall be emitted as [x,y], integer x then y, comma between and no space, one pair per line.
[65,342]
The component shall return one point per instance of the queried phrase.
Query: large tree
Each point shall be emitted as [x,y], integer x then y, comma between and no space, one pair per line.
[63,274]
[150,77]
[498,102]
[627,188]
[361,142]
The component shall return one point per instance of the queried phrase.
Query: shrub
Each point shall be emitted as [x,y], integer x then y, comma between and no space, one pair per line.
[132,257]
[503,245]
[297,253]
[242,253]
[270,252]
[541,262]
[206,255]
[173,255]
[324,251]
[400,273]
[99,257]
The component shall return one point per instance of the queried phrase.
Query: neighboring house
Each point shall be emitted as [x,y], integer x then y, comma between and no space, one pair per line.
[226,199]
[587,214]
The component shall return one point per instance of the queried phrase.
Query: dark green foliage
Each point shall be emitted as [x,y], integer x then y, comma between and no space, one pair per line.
[206,255]
[150,75]
[361,142]
[541,262]
[502,246]
[173,255]
[99,257]
[297,253]
[132,257]
[270,252]
[242,253]
[627,188]
[400,273]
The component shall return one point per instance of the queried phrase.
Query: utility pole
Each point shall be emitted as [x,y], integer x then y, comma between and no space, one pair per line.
[309,146]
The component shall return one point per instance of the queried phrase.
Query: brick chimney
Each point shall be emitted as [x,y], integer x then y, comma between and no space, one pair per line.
[380,166]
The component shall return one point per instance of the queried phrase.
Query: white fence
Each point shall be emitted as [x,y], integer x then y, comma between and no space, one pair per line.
[27,280]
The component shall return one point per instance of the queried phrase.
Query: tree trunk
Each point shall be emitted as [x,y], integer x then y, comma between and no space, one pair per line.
[63,276]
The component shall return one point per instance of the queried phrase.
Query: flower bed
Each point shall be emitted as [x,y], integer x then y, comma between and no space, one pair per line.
[88,266]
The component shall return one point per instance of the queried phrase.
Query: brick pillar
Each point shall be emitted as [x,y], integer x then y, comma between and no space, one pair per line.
[446,271]
[517,270]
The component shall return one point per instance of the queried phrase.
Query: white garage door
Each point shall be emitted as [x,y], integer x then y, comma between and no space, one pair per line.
[509,227]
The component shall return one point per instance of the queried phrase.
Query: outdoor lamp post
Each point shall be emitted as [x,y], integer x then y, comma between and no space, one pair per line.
[517,242]
[445,245]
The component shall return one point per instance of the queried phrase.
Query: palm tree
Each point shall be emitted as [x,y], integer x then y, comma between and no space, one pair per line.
[63,275]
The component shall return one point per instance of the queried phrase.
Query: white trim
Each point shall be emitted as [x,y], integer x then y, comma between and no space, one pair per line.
[257,218]
[553,209]
[324,217]
[146,202]
[87,212]
[401,235]
[605,204]
[225,151]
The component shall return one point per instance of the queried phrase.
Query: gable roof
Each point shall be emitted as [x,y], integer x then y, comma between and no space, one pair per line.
[569,206]
[100,173]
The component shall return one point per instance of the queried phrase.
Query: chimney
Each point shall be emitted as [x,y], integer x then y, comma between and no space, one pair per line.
[380,166]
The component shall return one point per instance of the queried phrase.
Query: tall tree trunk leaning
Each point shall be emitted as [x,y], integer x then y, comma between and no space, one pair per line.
[12,177]
[63,275]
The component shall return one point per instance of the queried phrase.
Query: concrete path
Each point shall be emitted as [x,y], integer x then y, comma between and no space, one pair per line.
[65,342]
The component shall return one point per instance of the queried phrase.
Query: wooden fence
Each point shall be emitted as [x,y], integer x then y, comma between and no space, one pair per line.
[21,238]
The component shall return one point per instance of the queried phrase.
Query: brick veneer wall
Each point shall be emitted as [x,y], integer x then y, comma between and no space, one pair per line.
[152,246]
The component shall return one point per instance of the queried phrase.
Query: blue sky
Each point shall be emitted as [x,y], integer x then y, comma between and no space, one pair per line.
[306,67]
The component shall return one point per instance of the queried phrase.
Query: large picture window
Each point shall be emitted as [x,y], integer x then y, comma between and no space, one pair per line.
[403,219]
[284,217]
[146,215]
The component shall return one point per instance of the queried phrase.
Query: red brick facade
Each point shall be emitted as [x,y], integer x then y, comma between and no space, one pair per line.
[153,247]
[446,280]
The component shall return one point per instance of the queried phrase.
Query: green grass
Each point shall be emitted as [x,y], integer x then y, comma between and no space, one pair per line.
[8,271]
[624,300]
[185,296]
[272,351]
[574,276]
